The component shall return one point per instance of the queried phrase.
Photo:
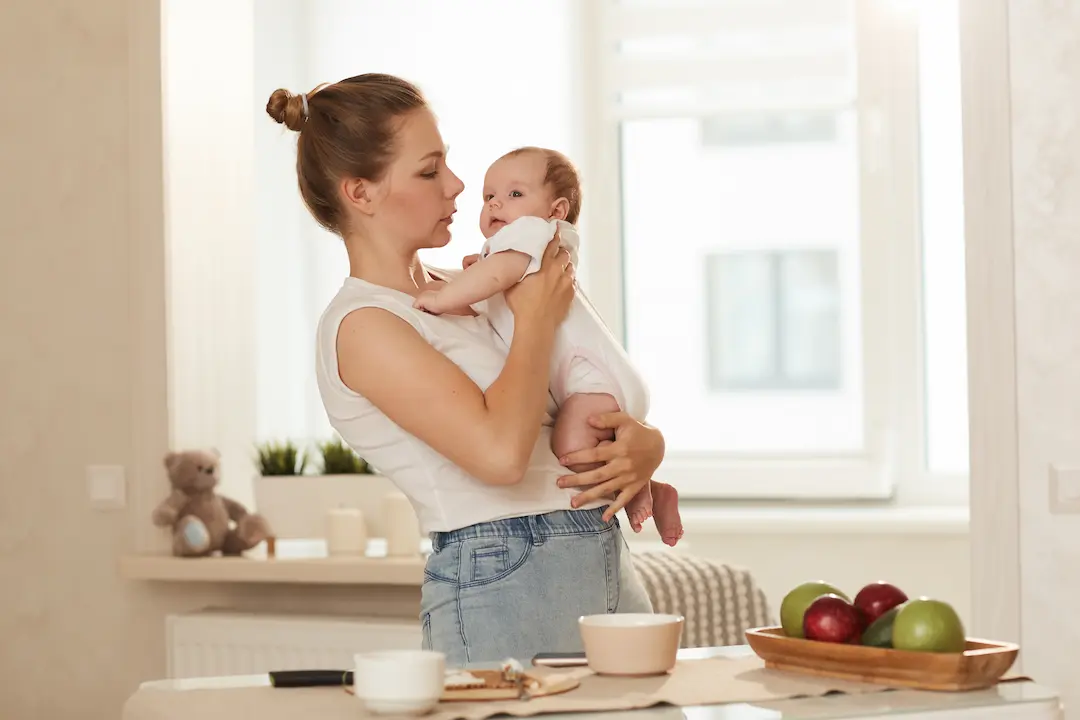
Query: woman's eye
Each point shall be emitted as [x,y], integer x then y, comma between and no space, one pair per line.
[430,175]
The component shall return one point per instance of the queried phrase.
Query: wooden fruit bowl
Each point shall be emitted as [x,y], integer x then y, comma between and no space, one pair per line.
[980,666]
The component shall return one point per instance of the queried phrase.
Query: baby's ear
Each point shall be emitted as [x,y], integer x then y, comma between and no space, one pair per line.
[560,209]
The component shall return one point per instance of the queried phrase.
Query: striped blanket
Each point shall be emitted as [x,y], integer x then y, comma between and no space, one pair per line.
[719,602]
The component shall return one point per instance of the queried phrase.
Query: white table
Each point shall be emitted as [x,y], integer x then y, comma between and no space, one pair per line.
[1014,700]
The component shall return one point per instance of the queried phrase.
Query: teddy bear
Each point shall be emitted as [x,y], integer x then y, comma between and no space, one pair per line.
[202,521]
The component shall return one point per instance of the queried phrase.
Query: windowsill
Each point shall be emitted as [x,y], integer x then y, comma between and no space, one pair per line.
[710,518]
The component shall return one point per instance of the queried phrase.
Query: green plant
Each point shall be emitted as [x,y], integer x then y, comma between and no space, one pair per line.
[280,458]
[340,459]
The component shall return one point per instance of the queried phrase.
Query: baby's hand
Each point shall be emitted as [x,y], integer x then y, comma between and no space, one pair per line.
[428,301]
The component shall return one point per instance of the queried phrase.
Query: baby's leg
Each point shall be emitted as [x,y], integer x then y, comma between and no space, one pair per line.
[666,517]
[573,432]
[640,507]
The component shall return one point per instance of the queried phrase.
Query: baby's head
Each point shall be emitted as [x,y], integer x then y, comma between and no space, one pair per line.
[530,181]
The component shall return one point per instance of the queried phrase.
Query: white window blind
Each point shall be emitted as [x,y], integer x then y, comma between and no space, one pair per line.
[692,58]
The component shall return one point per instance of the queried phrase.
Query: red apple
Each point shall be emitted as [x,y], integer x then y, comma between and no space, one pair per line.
[833,619]
[878,598]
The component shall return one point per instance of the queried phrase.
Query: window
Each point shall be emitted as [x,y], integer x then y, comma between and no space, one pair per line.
[792,265]
[773,219]
[772,320]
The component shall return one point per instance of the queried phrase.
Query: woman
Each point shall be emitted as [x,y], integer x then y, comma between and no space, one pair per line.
[457,421]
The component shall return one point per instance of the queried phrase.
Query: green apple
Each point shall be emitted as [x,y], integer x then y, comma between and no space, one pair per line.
[927,625]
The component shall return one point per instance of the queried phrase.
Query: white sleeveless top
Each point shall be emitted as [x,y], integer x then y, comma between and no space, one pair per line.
[444,496]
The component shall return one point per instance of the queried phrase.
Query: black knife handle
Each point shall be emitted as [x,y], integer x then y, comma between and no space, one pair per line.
[310,678]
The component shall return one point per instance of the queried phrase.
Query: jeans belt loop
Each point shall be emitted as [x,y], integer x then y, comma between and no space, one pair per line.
[534,531]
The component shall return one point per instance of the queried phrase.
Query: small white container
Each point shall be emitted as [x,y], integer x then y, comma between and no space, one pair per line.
[346,532]
[401,528]
[399,682]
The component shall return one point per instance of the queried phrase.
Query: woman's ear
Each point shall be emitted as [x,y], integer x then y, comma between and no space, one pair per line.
[358,194]
[560,209]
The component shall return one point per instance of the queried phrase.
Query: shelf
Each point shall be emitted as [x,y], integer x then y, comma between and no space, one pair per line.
[296,565]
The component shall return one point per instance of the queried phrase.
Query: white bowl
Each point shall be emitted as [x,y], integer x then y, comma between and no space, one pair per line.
[399,682]
[631,643]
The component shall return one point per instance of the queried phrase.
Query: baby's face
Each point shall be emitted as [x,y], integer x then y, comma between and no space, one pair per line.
[513,188]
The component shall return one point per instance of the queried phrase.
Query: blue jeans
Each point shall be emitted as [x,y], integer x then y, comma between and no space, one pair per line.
[514,588]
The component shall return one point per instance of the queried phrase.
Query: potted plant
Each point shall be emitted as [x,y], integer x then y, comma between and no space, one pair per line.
[280,458]
[340,459]
[296,504]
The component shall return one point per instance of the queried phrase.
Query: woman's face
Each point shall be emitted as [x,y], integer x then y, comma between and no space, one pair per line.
[416,198]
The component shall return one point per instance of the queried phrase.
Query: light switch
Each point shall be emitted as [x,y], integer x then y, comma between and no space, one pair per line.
[105,486]
[1064,489]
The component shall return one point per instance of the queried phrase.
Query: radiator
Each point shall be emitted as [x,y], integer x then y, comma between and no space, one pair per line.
[209,643]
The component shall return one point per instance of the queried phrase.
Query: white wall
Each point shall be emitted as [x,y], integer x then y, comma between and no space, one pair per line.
[1044,52]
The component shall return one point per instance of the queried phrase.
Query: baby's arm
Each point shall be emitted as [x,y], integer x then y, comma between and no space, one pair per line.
[484,278]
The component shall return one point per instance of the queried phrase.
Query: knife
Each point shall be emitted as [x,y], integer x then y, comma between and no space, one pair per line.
[310,678]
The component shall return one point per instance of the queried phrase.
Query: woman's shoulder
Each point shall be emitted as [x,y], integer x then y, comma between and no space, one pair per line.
[356,294]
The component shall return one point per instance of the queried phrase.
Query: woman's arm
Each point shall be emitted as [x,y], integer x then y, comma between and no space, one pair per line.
[629,462]
[490,435]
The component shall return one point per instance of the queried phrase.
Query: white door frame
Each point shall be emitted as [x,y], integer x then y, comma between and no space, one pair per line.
[991,303]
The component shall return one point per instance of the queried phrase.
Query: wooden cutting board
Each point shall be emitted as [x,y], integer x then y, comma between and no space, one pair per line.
[496,688]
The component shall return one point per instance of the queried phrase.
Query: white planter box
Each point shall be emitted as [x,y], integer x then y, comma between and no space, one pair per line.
[296,505]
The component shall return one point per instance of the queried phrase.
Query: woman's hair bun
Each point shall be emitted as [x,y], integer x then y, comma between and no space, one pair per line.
[287,109]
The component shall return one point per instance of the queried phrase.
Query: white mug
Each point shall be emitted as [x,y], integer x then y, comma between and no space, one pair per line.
[399,682]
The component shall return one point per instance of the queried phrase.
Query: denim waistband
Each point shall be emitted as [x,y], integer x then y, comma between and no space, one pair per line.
[534,527]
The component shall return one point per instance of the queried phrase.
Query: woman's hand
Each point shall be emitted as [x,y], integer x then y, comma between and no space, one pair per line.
[629,462]
[547,293]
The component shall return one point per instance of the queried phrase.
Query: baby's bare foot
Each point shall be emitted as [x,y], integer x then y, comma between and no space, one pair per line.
[666,517]
[640,508]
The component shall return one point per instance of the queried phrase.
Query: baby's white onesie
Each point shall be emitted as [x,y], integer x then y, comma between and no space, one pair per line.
[587,358]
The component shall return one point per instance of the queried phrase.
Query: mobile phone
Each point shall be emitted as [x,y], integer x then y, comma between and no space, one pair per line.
[558,659]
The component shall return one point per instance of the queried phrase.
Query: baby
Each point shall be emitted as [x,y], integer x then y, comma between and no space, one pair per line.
[528,193]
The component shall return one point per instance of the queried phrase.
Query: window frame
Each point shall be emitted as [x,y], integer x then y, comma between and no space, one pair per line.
[893,463]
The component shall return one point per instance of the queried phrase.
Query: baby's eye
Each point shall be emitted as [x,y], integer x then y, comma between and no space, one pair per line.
[516,193]
[488,196]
